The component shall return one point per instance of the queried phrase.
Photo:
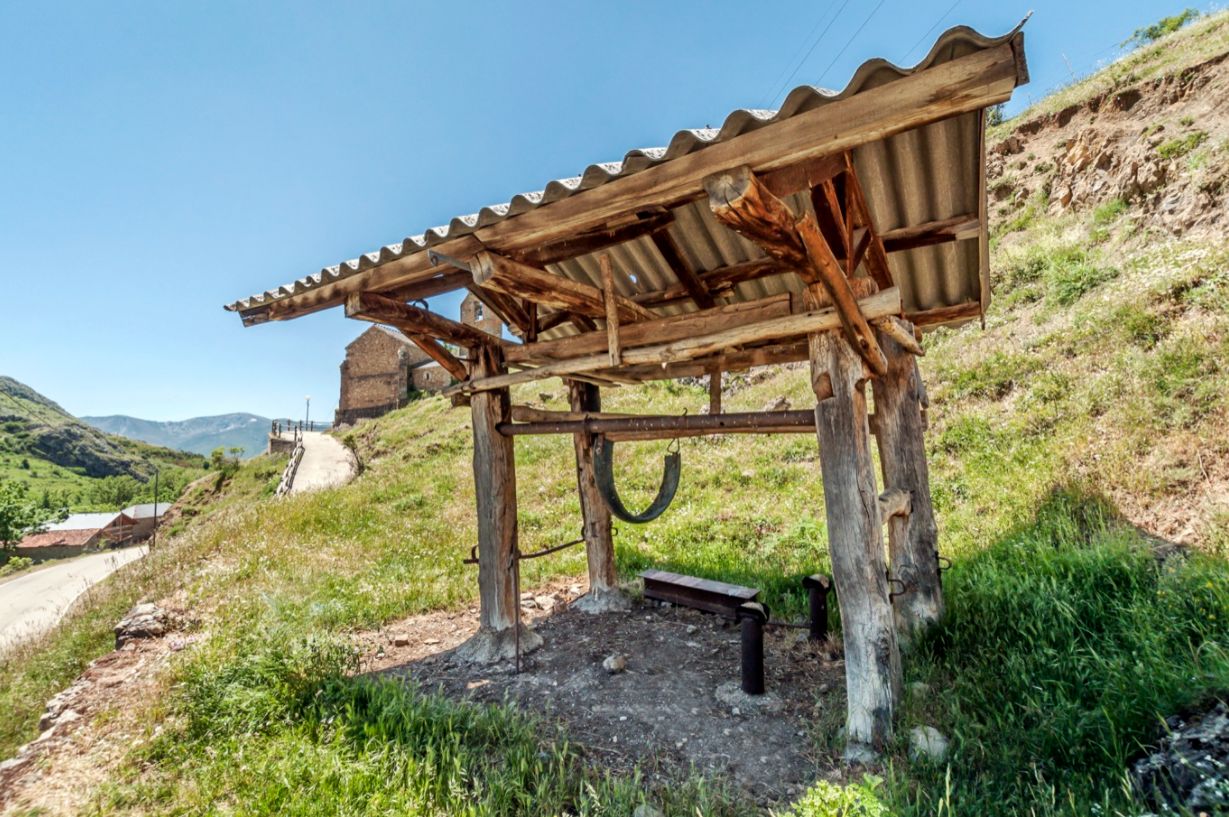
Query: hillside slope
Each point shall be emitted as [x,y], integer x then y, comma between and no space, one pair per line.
[199,435]
[1079,450]
[71,462]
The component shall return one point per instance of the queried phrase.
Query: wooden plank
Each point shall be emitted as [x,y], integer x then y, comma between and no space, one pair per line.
[612,311]
[503,274]
[661,330]
[714,391]
[969,83]
[945,314]
[855,543]
[913,544]
[369,306]
[732,423]
[875,306]
[929,233]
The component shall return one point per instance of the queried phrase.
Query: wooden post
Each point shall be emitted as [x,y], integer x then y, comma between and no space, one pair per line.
[912,540]
[855,542]
[714,390]
[604,595]
[495,489]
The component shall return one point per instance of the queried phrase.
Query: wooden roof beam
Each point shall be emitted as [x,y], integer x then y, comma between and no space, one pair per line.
[438,353]
[878,305]
[597,240]
[502,274]
[682,269]
[413,320]
[740,201]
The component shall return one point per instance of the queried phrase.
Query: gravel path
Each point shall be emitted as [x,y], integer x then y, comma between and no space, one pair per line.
[33,602]
[326,463]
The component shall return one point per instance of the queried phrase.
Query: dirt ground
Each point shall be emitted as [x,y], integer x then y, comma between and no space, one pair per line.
[662,711]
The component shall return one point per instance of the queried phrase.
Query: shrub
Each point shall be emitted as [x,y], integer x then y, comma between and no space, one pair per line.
[1181,145]
[15,564]
[1070,275]
[1162,27]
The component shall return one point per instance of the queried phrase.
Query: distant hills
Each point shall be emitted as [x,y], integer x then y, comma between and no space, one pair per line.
[54,451]
[199,435]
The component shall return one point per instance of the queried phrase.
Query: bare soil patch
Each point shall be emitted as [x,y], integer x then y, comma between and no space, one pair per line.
[661,712]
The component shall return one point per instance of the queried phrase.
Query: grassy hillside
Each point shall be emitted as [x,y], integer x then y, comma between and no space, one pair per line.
[1079,447]
[70,463]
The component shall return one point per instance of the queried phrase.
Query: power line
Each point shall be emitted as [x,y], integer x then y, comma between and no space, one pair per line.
[931,30]
[783,79]
[810,50]
[849,41]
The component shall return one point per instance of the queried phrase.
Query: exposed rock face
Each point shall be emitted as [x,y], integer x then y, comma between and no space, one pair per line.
[1155,146]
[143,621]
[1189,771]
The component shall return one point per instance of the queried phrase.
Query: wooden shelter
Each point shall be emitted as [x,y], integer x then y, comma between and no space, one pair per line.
[831,231]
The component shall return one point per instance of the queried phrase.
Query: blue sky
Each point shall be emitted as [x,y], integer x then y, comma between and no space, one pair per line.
[161,159]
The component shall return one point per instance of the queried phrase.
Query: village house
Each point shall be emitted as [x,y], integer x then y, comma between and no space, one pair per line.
[383,367]
[145,517]
[77,534]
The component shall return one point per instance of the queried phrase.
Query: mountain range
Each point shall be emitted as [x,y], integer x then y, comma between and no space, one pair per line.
[200,435]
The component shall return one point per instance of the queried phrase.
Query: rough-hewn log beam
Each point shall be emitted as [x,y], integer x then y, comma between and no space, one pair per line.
[604,595]
[742,203]
[855,542]
[913,542]
[503,274]
[666,426]
[507,309]
[609,295]
[439,354]
[931,232]
[876,257]
[369,306]
[495,491]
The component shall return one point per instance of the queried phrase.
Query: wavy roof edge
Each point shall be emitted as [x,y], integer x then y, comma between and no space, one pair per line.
[684,142]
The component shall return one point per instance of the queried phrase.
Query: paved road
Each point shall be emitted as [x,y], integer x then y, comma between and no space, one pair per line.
[34,602]
[326,462]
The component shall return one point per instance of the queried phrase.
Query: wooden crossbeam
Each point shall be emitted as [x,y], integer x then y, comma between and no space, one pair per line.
[502,274]
[929,233]
[660,330]
[413,320]
[876,256]
[506,308]
[878,305]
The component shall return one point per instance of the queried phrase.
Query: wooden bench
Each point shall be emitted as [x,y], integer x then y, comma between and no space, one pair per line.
[703,594]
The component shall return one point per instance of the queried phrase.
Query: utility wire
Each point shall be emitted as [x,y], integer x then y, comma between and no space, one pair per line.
[849,41]
[931,30]
[783,78]
[810,50]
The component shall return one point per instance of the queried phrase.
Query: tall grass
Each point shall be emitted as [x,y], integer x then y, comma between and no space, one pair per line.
[1065,645]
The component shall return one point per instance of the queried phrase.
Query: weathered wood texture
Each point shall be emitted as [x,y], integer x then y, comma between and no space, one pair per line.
[603,592]
[496,272]
[495,490]
[912,544]
[413,320]
[610,296]
[855,542]
[876,306]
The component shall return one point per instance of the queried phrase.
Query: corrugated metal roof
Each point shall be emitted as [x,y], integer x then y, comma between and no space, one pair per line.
[86,521]
[926,174]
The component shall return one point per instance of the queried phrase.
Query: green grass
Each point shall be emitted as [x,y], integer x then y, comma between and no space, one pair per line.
[1181,145]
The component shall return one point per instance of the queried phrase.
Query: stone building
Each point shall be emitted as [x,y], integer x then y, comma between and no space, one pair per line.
[383,367]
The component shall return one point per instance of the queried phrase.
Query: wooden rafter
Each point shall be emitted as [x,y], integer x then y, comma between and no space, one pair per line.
[506,308]
[597,240]
[438,353]
[369,306]
[502,274]
[673,256]
[740,201]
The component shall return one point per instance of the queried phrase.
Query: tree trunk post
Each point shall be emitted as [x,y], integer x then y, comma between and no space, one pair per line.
[604,595]
[495,490]
[855,542]
[912,540]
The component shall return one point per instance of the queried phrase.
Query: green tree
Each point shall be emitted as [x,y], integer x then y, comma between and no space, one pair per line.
[20,515]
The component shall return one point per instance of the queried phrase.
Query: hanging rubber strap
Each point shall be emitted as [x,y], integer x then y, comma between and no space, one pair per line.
[603,467]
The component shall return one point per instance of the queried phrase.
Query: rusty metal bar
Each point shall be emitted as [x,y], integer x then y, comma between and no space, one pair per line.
[818,587]
[752,617]
[648,427]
